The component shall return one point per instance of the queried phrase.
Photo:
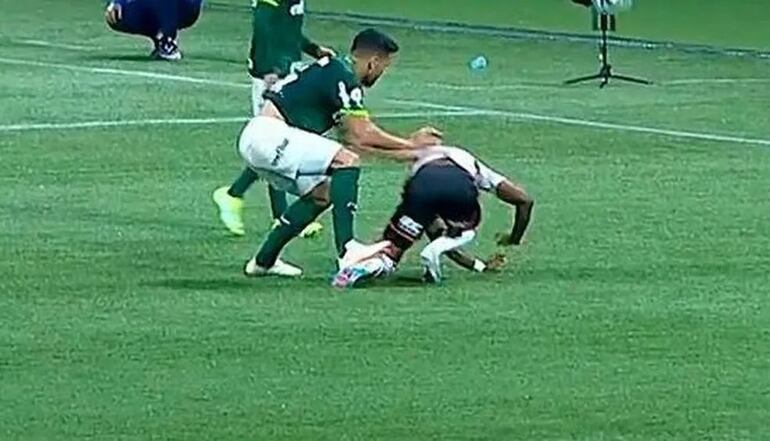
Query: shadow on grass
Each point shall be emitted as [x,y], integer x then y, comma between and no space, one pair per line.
[138,56]
[210,284]
[272,284]
[141,56]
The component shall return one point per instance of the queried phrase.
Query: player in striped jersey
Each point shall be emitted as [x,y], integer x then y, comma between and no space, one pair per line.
[441,198]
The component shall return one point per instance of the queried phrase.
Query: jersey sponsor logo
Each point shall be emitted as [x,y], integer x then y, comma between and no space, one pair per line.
[298,9]
[279,152]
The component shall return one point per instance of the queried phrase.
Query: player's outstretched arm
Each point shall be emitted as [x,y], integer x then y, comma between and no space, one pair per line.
[361,132]
[523,203]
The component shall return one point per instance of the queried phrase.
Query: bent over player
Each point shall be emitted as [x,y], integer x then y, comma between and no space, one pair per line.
[284,146]
[442,196]
[277,45]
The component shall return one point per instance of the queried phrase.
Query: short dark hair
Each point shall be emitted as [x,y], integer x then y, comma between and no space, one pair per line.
[375,41]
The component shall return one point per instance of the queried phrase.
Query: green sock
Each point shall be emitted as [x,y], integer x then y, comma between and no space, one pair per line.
[278,203]
[244,181]
[299,215]
[344,199]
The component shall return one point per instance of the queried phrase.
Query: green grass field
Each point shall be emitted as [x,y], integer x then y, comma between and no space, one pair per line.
[637,311]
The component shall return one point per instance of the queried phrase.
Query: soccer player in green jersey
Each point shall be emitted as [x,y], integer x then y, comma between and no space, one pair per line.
[284,145]
[277,45]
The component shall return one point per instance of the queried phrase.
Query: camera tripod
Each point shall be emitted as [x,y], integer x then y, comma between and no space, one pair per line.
[605,72]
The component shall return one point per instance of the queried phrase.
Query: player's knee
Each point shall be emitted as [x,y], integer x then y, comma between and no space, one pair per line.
[320,195]
[191,13]
[346,159]
[529,201]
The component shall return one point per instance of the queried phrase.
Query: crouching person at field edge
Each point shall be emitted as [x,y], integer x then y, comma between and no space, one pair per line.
[158,20]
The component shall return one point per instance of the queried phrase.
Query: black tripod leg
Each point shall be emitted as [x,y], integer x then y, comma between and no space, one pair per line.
[632,79]
[584,79]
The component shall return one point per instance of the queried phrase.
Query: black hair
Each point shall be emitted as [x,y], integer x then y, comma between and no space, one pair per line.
[375,41]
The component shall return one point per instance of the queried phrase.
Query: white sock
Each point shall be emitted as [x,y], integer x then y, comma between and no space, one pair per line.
[432,252]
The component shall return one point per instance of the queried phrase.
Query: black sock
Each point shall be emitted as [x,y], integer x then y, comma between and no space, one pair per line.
[244,181]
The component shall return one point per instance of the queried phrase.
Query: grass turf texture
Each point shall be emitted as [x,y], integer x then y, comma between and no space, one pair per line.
[744,24]
[637,311]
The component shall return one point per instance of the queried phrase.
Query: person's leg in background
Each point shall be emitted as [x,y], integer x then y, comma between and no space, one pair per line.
[133,17]
[230,199]
[190,12]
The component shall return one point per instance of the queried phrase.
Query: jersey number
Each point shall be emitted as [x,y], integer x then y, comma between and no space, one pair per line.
[298,9]
[356,96]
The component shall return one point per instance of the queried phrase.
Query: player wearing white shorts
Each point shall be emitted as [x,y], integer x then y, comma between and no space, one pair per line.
[441,198]
[277,45]
[284,145]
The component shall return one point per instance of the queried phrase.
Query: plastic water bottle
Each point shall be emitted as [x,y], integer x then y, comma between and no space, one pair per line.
[479,63]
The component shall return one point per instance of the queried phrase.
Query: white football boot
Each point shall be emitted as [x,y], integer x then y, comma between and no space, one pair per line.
[280,269]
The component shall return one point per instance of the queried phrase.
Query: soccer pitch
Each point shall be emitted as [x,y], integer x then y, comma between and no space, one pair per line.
[638,310]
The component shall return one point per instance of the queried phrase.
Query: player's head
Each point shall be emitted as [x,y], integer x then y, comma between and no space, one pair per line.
[373,52]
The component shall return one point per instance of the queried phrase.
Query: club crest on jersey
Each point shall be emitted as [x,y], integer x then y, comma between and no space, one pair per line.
[298,9]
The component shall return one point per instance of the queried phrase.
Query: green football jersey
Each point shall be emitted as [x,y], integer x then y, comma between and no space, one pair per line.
[315,97]
[277,40]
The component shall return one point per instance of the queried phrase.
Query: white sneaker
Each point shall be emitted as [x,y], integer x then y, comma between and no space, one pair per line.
[356,252]
[280,268]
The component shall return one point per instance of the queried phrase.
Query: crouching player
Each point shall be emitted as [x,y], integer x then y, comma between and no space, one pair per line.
[442,197]
[158,20]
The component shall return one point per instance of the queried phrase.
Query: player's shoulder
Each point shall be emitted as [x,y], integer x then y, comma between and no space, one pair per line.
[340,66]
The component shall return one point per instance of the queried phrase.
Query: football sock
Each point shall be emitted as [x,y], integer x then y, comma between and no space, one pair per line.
[298,216]
[244,181]
[278,203]
[344,199]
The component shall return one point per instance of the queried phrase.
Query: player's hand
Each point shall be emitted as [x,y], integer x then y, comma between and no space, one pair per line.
[270,80]
[325,52]
[113,14]
[427,137]
[496,262]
